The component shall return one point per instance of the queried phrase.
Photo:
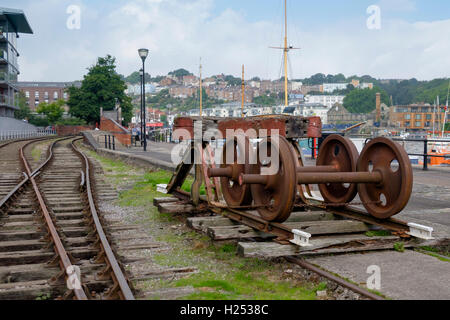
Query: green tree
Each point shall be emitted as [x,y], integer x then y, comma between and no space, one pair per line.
[52,111]
[179,73]
[135,78]
[24,112]
[363,100]
[101,87]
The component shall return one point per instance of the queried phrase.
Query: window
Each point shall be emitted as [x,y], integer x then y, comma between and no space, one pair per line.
[418,116]
[55,95]
[27,94]
[427,124]
[407,124]
[36,95]
[418,123]
[407,116]
[46,95]
[65,95]
[428,116]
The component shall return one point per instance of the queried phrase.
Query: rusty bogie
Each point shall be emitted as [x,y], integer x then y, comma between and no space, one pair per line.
[382,174]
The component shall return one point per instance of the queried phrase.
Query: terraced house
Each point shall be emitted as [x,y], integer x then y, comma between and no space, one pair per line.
[12,23]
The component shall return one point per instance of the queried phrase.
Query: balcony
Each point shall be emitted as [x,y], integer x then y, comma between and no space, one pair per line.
[8,77]
[9,101]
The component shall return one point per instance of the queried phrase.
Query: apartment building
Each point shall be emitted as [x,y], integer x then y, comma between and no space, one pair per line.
[325,100]
[12,23]
[416,116]
[38,92]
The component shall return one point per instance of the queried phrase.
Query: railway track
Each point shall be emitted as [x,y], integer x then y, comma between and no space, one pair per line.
[52,243]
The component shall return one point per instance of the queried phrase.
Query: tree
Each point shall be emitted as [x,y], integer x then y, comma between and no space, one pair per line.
[101,87]
[24,112]
[53,111]
[135,78]
[179,73]
[363,100]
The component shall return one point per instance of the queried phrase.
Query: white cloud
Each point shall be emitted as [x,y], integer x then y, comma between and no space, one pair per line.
[179,32]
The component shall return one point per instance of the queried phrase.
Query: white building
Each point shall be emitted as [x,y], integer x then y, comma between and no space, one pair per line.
[296,85]
[314,110]
[330,87]
[325,100]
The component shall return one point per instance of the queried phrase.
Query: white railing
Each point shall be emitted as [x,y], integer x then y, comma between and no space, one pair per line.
[18,134]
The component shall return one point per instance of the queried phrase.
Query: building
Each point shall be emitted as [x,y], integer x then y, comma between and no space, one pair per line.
[12,23]
[416,117]
[48,92]
[339,115]
[182,91]
[325,100]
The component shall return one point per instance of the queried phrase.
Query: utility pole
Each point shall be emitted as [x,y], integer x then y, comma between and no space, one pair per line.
[243,92]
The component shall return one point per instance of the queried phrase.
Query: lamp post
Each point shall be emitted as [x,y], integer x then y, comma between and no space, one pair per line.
[142,111]
[143,53]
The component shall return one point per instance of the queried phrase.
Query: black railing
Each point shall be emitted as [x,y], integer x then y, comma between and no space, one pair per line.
[110,142]
[426,156]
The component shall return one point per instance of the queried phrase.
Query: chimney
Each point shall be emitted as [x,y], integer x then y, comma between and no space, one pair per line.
[378,107]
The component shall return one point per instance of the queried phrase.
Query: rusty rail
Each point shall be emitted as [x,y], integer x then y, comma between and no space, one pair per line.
[121,286]
[355,288]
[64,260]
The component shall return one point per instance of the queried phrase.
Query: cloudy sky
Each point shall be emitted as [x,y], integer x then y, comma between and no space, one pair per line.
[413,39]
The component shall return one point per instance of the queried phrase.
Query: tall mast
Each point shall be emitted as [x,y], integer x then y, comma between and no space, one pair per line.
[446,109]
[243,92]
[285,49]
[201,91]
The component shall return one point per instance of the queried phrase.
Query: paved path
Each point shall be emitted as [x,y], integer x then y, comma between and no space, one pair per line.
[404,275]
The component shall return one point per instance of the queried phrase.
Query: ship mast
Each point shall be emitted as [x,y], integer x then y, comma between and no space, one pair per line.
[243,93]
[201,93]
[285,49]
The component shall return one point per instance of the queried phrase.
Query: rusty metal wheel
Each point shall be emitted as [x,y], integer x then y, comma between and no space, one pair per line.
[233,193]
[277,196]
[341,153]
[392,194]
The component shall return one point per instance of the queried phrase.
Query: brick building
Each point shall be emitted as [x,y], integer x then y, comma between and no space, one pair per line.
[416,117]
[38,92]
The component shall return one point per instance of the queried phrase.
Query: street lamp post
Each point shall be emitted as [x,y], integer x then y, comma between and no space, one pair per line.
[143,53]
[142,109]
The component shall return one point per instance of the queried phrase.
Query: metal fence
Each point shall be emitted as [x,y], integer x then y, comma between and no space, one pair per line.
[426,155]
[162,135]
[18,134]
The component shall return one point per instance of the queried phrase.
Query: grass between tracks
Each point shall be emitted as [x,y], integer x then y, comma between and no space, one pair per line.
[221,274]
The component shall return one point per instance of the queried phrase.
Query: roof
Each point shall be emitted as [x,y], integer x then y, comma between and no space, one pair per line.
[40,84]
[17,19]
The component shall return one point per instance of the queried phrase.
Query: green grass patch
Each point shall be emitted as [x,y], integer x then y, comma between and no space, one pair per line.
[399,246]
[378,233]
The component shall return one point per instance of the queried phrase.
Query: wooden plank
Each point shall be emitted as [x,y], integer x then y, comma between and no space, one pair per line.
[302,216]
[329,227]
[157,201]
[235,232]
[177,208]
[334,244]
[202,223]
